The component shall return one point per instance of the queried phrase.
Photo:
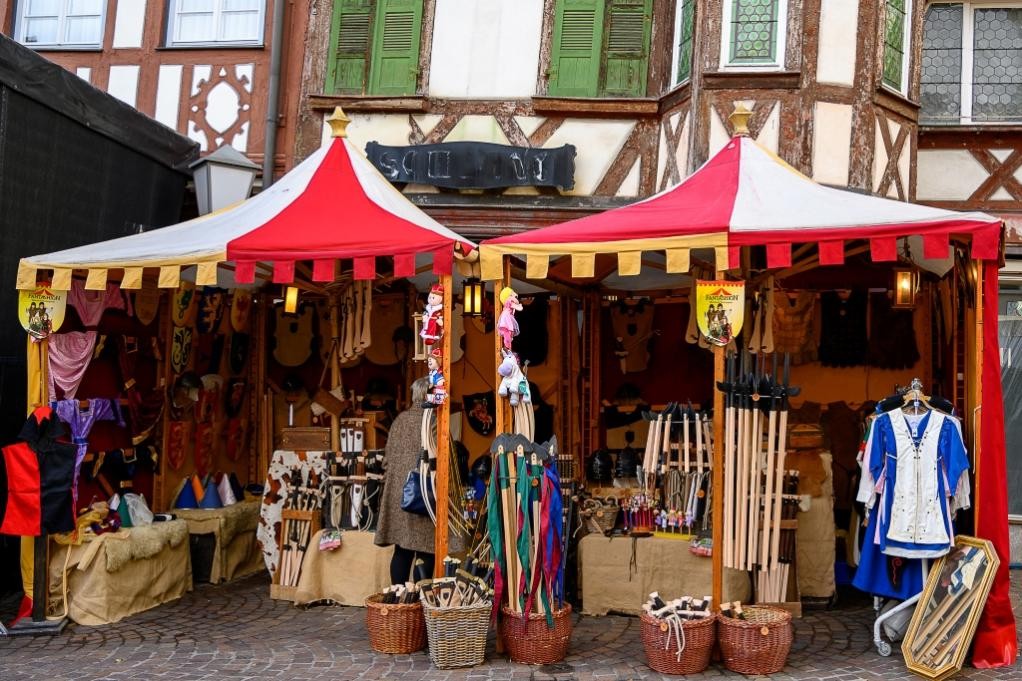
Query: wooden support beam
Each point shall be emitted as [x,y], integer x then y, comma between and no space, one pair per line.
[443,434]
[505,418]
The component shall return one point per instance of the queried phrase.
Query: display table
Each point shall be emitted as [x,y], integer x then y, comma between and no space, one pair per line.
[347,575]
[611,582]
[235,553]
[118,574]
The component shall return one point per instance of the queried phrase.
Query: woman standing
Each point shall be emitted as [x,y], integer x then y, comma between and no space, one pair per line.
[411,534]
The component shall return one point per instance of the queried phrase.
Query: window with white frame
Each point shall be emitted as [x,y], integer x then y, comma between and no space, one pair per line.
[972,63]
[754,33]
[684,25]
[897,38]
[60,23]
[203,22]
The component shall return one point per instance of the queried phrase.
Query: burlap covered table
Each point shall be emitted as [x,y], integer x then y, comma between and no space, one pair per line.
[612,583]
[347,575]
[120,574]
[236,552]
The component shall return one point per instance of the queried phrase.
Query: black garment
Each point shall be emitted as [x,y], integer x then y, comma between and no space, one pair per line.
[531,343]
[401,564]
[843,335]
[892,340]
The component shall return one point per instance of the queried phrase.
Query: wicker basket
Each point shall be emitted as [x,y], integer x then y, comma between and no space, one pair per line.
[758,644]
[529,641]
[457,636]
[662,647]
[599,516]
[396,629]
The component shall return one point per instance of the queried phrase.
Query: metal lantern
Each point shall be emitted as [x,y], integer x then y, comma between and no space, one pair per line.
[223,178]
[906,284]
[291,300]
[472,298]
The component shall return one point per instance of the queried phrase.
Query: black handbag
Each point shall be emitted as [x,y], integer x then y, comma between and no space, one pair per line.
[411,494]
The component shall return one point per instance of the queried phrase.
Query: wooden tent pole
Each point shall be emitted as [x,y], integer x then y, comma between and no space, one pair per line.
[718,476]
[504,412]
[335,368]
[443,434]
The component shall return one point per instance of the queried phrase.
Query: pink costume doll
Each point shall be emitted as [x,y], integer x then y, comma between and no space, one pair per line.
[507,327]
[433,316]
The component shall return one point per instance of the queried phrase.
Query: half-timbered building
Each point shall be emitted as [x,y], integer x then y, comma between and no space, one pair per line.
[200,67]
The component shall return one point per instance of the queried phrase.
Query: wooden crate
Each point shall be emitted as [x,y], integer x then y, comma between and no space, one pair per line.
[286,592]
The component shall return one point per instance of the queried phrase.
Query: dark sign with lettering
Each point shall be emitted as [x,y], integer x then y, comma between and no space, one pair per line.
[475,165]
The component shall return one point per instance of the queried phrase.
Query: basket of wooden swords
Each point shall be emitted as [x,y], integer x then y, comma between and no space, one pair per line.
[754,640]
[395,626]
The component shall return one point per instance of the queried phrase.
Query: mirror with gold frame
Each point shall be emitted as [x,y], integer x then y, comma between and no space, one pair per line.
[945,619]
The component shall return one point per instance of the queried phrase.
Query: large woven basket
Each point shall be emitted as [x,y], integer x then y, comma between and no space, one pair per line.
[661,646]
[395,629]
[529,641]
[759,644]
[457,636]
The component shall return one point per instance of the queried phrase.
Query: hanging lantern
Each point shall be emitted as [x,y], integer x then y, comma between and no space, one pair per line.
[472,297]
[906,284]
[291,300]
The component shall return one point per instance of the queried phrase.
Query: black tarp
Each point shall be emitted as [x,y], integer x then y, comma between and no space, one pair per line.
[77,166]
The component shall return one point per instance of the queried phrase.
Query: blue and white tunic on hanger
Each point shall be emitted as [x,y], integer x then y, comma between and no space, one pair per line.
[917,468]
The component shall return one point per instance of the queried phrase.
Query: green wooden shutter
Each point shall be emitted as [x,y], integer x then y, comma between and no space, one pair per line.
[684,40]
[349,46]
[395,64]
[575,55]
[626,51]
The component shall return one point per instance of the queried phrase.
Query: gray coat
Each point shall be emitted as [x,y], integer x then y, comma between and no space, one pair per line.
[407,530]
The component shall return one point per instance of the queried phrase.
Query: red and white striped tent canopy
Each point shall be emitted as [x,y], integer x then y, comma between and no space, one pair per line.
[335,205]
[743,196]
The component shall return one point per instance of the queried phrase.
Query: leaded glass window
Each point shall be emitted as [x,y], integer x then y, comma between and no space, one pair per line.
[941,82]
[894,43]
[683,40]
[971,63]
[754,28]
[997,64]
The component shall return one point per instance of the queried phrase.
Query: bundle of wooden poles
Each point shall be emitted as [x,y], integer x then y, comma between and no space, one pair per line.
[677,463]
[297,530]
[524,521]
[755,442]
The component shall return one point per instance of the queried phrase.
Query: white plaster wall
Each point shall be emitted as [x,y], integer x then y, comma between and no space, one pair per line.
[835,62]
[123,83]
[718,133]
[85,73]
[879,156]
[630,185]
[485,49]
[947,175]
[681,156]
[477,129]
[168,95]
[597,144]
[833,126]
[904,169]
[388,129]
[128,23]
[770,133]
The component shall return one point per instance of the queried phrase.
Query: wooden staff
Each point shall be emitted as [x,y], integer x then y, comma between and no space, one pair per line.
[729,463]
[782,449]
[665,444]
[744,428]
[771,454]
[753,472]
[504,463]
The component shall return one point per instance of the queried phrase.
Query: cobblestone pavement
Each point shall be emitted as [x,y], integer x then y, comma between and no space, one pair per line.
[235,632]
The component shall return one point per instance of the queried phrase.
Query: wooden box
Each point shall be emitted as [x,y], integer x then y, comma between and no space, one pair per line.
[305,439]
[288,516]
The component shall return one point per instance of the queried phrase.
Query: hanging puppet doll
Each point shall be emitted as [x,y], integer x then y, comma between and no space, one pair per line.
[507,327]
[437,385]
[433,316]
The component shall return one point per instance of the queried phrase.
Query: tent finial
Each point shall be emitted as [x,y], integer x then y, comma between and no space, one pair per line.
[338,123]
[740,120]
